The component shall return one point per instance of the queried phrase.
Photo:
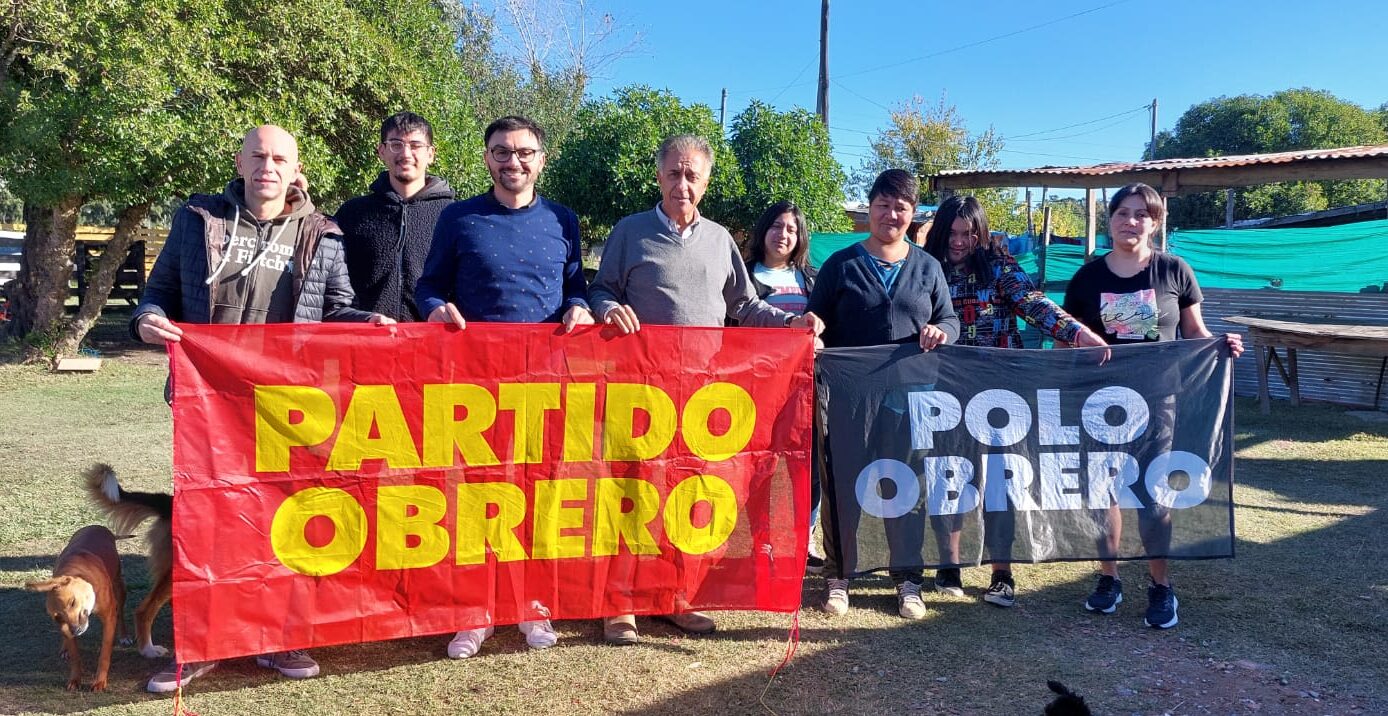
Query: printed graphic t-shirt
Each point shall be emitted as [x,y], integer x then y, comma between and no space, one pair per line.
[1143,307]
[787,287]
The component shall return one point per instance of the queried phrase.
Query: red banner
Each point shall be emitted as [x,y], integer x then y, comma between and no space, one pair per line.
[340,483]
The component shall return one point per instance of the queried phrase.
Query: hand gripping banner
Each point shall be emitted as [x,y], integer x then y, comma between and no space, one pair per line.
[342,483]
[963,456]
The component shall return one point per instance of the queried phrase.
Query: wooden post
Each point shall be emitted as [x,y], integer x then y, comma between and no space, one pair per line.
[1264,364]
[723,111]
[1228,208]
[1031,226]
[1090,225]
[1161,245]
[821,103]
[1045,247]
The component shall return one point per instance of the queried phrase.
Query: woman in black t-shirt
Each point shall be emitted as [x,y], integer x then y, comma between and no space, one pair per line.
[1136,294]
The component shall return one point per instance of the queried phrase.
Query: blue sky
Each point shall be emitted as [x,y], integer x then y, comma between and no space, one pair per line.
[1089,60]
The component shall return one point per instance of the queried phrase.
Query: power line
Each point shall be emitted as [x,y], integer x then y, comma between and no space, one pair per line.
[855,93]
[1143,108]
[797,77]
[985,40]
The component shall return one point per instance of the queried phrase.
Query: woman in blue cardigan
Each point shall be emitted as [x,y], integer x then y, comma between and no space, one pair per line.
[884,290]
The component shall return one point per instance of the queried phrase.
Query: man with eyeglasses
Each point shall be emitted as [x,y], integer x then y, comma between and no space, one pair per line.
[387,232]
[507,255]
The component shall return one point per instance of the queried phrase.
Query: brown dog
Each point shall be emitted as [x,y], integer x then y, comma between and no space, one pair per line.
[86,582]
[126,511]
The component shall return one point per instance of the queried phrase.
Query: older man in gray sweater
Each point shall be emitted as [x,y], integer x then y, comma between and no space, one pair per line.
[673,266]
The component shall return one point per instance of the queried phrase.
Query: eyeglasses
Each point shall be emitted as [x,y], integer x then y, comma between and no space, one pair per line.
[504,154]
[395,146]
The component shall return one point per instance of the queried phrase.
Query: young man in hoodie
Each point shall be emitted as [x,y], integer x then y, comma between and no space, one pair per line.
[387,233]
[506,255]
[257,253]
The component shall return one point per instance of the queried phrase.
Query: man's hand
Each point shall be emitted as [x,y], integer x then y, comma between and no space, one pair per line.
[931,336]
[810,321]
[624,318]
[447,313]
[1235,342]
[577,316]
[377,319]
[157,329]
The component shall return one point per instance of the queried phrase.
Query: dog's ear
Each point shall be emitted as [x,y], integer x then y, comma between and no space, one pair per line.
[46,585]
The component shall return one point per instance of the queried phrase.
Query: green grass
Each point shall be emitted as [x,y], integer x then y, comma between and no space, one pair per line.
[1302,609]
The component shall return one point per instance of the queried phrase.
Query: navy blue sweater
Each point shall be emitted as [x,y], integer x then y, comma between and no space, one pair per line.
[501,264]
[857,311]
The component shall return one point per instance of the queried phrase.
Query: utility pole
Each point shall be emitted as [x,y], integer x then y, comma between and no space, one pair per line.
[821,102]
[1152,147]
[723,111]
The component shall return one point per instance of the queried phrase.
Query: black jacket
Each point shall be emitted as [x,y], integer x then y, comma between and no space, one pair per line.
[176,288]
[387,239]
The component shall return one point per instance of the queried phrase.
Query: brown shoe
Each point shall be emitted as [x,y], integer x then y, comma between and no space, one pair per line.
[620,631]
[690,622]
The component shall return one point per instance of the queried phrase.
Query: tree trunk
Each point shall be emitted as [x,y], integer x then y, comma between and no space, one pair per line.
[100,280]
[38,294]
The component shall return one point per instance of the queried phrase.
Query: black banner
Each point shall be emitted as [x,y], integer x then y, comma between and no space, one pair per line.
[963,456]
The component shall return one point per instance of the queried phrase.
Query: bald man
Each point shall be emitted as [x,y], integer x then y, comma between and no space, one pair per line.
[259,252]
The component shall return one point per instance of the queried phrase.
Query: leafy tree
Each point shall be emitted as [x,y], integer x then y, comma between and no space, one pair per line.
[787,155]
[535,58]
[1068,216]
[926,140]
[128,101]
[607,169]
[1251,124]
[11,208]
[501,85]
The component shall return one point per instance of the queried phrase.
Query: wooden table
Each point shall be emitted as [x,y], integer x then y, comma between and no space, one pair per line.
[1270,334]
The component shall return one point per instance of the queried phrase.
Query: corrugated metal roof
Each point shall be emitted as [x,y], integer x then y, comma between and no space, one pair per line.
[1360,152]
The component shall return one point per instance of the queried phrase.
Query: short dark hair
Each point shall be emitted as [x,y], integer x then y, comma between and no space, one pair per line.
[896,184]
[1156,208]
[511,123]
[404,123]
[937,239]
[756,246]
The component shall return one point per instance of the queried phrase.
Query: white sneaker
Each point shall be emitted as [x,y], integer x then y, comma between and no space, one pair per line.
[467,643]
[539,634]
[836,598]
[908,596]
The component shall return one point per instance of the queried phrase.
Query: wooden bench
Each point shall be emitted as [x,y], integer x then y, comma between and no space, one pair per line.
[130,277]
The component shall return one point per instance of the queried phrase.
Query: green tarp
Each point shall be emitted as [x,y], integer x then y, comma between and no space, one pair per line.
[1349,258]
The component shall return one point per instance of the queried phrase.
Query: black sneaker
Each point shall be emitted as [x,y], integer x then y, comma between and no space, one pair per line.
[1108,594]
[814,565]
[1002,591]
[947,581]
[1161,607]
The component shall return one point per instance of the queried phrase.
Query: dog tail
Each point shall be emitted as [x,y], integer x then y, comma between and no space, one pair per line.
[125,510]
